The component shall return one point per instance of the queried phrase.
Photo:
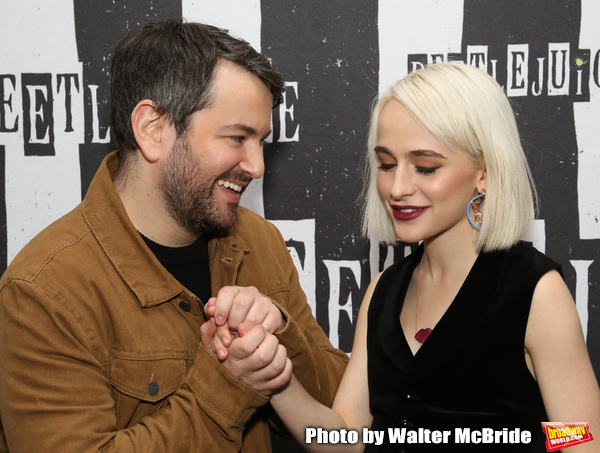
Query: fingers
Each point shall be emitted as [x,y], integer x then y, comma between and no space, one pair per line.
[242,330]
[262,312]
[275,365]
[207,333]
[255,357]
[221,340]
[209,307]
[273,320]
[211,338]
[235,305]
[259,360]
[245,346]
[216,339]
[225,335]
[232,305]
[274,375]
[281,380]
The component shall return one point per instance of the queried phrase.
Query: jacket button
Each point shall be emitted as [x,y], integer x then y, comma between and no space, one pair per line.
[152,388]
[185,306]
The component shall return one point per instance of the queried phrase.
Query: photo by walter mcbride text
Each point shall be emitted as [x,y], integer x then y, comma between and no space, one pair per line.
[418,436]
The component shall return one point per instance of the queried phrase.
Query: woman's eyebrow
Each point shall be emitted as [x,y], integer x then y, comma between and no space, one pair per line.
[413,153]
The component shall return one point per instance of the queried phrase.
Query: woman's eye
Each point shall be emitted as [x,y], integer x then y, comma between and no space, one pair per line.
[386,167]
[427,170]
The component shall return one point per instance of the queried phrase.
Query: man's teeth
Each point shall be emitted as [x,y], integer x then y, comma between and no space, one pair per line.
[229,185]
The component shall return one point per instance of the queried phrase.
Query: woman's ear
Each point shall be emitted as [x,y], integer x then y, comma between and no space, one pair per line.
[148,128]
[482,179]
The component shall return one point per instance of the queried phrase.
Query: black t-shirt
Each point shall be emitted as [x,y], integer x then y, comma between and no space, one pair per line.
[188,264]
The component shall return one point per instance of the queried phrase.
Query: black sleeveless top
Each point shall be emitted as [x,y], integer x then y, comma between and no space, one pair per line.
[471,371]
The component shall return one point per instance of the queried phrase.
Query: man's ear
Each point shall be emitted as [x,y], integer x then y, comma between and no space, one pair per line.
[149,128]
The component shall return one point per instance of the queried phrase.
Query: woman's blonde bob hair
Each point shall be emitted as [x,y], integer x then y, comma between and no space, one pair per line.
[466,110]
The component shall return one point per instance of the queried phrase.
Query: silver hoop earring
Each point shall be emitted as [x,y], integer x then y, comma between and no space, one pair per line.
[476,204]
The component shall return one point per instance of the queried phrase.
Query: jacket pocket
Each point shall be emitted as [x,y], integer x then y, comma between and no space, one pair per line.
[147,377]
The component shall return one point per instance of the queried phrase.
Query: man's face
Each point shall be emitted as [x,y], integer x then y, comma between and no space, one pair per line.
[210,166]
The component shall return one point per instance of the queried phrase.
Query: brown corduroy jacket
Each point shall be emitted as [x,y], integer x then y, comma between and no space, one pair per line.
[100,345]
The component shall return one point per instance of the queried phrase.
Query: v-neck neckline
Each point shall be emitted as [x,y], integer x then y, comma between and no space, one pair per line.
[454,328]
[446,314]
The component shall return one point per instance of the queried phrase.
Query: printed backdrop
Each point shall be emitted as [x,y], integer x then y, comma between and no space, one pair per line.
[336,57]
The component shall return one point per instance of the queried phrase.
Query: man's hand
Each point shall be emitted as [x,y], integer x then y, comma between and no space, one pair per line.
[235,306]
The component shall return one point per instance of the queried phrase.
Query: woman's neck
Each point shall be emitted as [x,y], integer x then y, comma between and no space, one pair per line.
[445,257]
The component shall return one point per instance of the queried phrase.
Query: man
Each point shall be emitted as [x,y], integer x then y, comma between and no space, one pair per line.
[101,313]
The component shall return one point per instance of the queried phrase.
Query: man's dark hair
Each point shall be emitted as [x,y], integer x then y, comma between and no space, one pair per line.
[172,62]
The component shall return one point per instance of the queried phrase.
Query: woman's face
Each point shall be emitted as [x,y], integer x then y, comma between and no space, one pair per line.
[424,186]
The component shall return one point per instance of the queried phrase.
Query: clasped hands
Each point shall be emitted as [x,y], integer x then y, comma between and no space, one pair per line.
[240,331]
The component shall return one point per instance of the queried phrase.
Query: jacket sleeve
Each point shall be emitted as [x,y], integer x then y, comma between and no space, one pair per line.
[55,392]
[317,364]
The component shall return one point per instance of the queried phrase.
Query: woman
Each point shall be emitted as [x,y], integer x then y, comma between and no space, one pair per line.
[474,330]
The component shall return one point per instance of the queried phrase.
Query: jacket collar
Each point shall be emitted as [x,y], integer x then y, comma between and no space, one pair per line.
[132,259]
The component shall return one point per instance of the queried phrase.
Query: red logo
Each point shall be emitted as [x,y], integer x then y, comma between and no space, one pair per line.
[563,435]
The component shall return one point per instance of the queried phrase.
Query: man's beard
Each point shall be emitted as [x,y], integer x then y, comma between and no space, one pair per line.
[188,193]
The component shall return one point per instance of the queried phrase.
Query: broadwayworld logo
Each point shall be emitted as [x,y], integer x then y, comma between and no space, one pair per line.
[563,435]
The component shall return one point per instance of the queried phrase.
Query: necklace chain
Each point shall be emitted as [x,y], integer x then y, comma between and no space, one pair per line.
[422,334]
[418,297]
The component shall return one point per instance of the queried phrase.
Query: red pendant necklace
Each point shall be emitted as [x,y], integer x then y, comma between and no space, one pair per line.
[423,334]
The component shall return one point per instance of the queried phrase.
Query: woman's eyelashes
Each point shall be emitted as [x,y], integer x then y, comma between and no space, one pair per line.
[427,170]
[386,167]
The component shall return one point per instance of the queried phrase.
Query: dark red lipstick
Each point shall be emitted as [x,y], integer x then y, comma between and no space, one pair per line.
[406,213]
